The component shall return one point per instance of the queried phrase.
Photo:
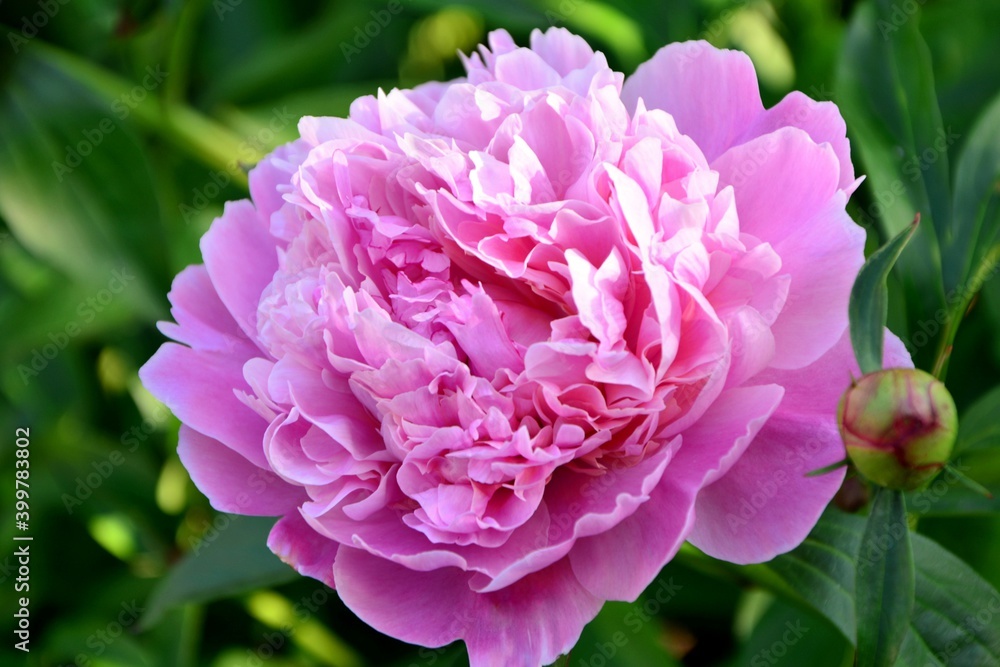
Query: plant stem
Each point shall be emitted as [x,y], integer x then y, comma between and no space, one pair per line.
[179,51]
[957,313]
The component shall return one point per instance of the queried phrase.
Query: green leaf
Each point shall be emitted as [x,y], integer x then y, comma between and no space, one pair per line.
[979,428]
[869,304]
[885,89]
[623,634]
[946,496]
[76,188]
[787,635]
[820,571]
[957,33]
[956,614]
[977,205]
[232,558]
[885,582]
[955,611]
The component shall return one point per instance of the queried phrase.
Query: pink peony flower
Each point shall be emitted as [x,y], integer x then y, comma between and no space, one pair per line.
[493,349]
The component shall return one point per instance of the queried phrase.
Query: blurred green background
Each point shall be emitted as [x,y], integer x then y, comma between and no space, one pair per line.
[125,126]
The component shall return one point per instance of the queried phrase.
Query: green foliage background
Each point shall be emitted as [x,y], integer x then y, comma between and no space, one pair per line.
[130,566]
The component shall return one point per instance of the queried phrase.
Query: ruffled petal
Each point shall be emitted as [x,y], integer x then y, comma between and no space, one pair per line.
[241,257]
[656,530]
[765,505]
[202,320]
[787,195]
[297,544]
[529,623]
[200,388]
[821,120]
[230,482]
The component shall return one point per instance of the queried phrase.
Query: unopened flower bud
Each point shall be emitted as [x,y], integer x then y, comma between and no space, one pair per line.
[899,426]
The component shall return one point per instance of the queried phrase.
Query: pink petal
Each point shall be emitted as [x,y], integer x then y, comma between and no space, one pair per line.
[230,482]
[199,388]
[656,530]
[820,247]
[562,49]
[821,120]
[241,258]
[765,505]
[525,69]
[711,93]
[823,258]
[202,320]
[297,544]
[271,176]
[483,337]
[780,180]
[527,624]
[582,505]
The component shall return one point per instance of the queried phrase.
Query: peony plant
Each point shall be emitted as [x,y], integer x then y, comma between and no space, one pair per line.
[493,349]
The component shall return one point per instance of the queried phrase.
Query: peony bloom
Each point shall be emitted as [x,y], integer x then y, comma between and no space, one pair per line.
[493,349]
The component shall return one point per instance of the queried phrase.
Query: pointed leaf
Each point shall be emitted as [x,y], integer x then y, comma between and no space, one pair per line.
[977,203]
[820,571]
[956,615]
[232,558]
[885,582]
[955,611]
[869,303]
[76,186]
[795,636]
[885,89]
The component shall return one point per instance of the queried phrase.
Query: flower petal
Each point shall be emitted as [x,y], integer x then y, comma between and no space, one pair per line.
[230,482]
[199,388]
[711,93]
[241,257]
[202,320]
[821,120]
[656,530]
[821,248]
[526,624]
[297,544]
[765,505]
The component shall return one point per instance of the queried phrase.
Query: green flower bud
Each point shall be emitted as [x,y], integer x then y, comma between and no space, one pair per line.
[899,426]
